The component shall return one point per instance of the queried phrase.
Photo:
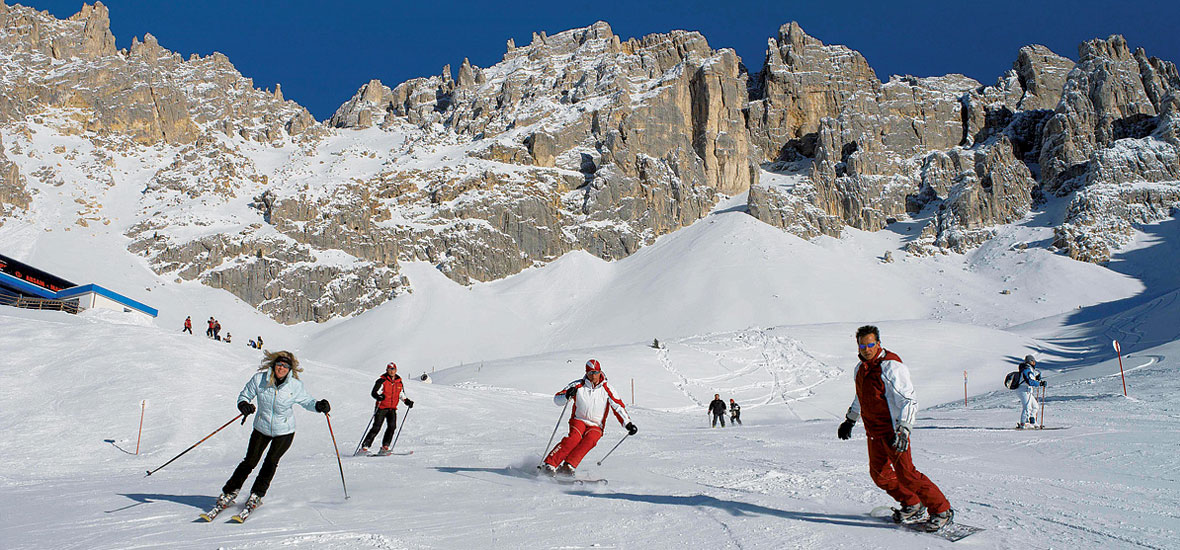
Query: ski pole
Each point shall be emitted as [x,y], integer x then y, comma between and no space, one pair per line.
[150,472]
[399,431]
[338,463]
[1042,407]
[545,453]
[612,449]
[366,433]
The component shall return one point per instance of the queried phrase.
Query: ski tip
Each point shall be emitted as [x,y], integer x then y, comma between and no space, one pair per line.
[237,519]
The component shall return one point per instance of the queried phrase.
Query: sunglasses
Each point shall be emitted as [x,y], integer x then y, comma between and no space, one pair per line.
[869,345]
[390,368]
[283,364]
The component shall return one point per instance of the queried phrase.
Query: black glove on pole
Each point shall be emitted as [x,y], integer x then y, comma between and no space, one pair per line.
[631,429]
[845,431]
[322,406]
[247,409]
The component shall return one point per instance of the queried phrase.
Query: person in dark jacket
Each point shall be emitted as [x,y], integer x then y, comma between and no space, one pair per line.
[387,391]
[717,409]
[735,413]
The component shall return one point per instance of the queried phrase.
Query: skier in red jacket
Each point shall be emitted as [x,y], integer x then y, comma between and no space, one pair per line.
[885,400]
[592,398]
[387,391]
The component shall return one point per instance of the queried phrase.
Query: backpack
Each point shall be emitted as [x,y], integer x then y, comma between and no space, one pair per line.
[1012,381]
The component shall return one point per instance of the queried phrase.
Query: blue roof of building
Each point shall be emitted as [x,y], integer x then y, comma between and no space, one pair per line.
[83,289]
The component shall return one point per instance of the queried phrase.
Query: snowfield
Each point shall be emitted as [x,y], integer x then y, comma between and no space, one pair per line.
[739,308]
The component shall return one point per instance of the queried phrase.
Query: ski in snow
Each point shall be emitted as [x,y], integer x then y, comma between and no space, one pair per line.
[212,513]
[407,453]
[954,531]
[245,513]
[568,480]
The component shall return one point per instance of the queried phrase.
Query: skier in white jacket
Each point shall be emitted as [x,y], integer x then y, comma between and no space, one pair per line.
[1030,409]
[277,389]
[592,399]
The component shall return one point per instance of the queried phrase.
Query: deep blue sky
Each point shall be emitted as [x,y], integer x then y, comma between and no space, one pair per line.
[321,52]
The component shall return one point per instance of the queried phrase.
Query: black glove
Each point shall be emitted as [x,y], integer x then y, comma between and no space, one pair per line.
[1045,383]
[247,408]
[409,403]
[381,397]
[570,393]
[901,440]
[631,429]
[322,406]
[845,431]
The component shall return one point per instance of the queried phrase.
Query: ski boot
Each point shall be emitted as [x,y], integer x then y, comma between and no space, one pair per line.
[938,521]
[565,470]
[908,514]
[547,469]
[384,451]
[363,451]
[224,501]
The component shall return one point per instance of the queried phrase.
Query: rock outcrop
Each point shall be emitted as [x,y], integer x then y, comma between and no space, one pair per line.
[146,92]
[581,140]
[13,194]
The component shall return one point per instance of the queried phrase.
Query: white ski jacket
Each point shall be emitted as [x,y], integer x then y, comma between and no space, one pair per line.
[894,386]
[591,403]
[275,416]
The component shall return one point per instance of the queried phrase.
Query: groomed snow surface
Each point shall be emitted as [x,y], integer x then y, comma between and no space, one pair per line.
[740,309]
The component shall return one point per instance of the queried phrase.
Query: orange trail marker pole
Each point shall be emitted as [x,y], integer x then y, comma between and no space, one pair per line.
[1119,352]
[142,406]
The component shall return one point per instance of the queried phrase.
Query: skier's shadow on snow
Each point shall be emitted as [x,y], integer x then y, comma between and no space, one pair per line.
[735,508]
[200,502]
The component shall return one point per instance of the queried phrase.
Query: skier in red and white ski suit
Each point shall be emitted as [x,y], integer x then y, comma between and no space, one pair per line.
[592,398]
[885,402]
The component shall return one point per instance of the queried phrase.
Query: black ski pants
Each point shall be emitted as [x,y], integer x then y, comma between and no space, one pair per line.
[258,442]
[719,416]
[389,416]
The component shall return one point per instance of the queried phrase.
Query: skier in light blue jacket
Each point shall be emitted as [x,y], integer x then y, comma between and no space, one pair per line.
[277,389]
[1029,379]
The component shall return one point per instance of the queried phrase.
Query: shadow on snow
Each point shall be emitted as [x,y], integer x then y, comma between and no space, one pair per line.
[200,502]
[736,508]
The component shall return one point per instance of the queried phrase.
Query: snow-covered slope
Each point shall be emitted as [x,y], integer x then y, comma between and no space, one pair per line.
[72,388]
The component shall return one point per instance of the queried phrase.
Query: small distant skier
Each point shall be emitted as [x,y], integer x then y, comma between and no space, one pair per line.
[277,388]
[717,410]
[188,325]
[885,400]
[387,391]
[228,337]
[209,331]
[735,413]
[1030,409]
[259,342]
[592,399]
[217,330]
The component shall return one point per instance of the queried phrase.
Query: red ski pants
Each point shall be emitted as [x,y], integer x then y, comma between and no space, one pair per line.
[574,446]
[895,473]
